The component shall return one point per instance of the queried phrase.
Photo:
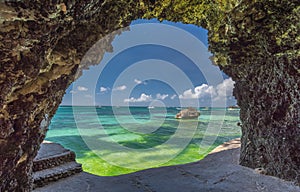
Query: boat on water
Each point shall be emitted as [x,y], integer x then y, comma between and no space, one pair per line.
[233,107]
[189,113]
[151,107]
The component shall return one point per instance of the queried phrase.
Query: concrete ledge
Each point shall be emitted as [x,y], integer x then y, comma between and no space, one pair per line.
[217,172]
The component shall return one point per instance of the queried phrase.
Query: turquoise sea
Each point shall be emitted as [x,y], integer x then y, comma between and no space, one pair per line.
[138,129]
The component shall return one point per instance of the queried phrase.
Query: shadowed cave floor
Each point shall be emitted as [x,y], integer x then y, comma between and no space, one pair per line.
[217,172]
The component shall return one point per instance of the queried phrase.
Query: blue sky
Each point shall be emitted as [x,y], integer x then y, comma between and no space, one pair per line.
[159,64]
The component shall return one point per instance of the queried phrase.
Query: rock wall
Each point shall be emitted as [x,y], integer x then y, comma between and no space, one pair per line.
[255,42]
[262,41]
[42,43]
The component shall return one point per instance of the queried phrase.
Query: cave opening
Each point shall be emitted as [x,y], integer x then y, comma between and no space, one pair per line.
[153,70]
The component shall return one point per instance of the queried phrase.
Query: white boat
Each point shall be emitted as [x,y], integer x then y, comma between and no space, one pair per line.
[234,107]
[189,113]
[151,107]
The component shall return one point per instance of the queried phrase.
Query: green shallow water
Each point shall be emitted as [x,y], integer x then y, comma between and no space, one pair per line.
[138,129]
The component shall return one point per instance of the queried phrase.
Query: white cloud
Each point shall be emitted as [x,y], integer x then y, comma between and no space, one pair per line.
[198,92]
[120,88]
[143,98]
[173,96]
[72,92]
[161,96]
[225,89]
[81,88]
[138,81]
[103,89]
[220,91]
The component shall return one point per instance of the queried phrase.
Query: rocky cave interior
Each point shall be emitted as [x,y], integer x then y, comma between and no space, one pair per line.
[257,43]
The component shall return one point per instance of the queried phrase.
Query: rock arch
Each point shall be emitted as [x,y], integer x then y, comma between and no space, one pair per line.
[255,42]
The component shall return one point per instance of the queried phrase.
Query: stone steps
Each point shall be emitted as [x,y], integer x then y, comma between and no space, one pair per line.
[52,163]
[43,177]
[56,160]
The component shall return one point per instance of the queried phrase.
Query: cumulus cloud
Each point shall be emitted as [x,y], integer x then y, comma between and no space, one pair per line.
[173,96]
[120,88]
[220,91]
[198,92]
[143,98]
[225,89]
[81,88]
[161,96]
[103,89]
[138,81]
[72,92]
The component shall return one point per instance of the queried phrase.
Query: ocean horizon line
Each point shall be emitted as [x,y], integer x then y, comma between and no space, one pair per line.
[142,106]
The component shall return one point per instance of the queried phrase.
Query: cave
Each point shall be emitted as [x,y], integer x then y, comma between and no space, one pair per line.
[256,43]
